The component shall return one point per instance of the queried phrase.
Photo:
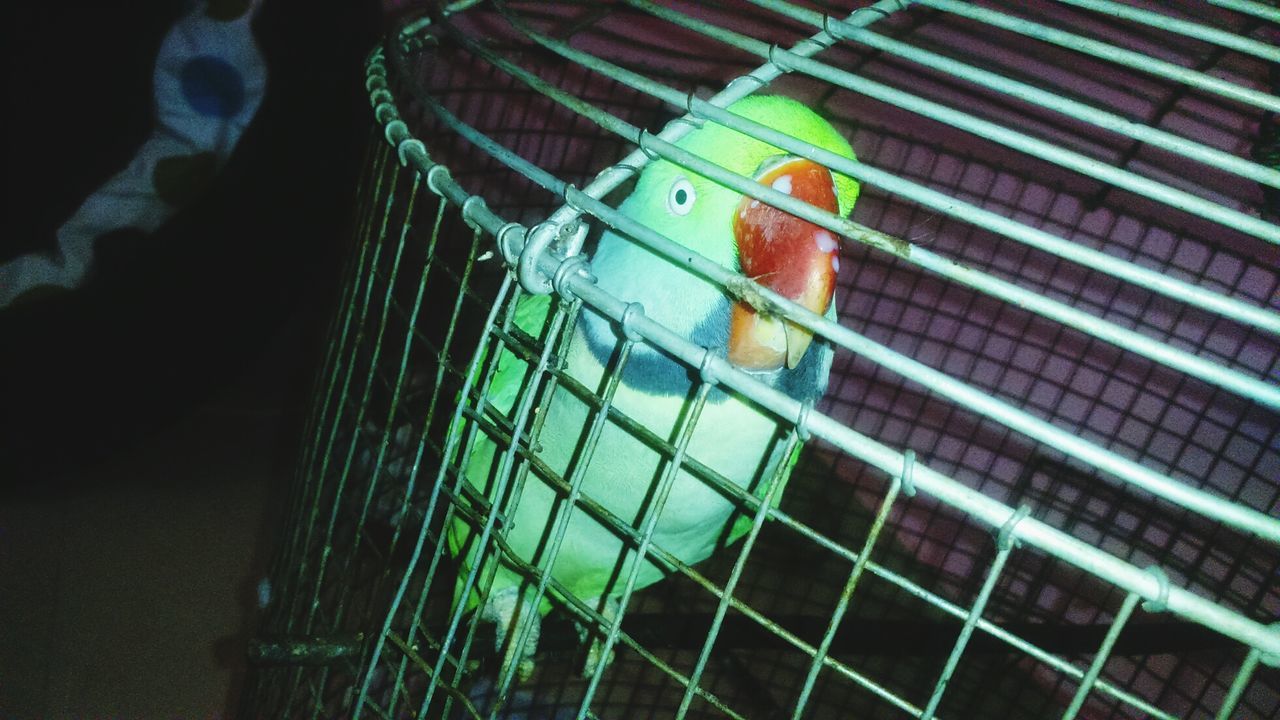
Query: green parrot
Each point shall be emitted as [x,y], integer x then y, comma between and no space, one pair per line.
[736,438]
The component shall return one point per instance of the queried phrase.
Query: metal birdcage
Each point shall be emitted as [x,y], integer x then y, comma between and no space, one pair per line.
[1044,480]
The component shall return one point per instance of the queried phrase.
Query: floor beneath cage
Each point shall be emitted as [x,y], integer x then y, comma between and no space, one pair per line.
[127,587]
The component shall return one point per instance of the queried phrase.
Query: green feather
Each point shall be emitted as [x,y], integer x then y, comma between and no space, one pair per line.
[742,154]
[512,375]
[735,438]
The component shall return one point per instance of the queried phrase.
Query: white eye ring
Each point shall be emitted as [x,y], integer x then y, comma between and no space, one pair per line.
[682,196]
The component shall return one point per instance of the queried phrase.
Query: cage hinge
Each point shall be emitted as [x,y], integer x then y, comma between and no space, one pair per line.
[550,239]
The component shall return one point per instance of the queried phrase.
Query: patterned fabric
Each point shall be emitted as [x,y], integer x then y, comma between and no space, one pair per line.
[209,81]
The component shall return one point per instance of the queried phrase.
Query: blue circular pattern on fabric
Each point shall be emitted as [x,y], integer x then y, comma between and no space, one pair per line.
[212,86]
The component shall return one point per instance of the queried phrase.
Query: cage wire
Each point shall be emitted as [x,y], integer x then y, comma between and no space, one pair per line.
[1044,480]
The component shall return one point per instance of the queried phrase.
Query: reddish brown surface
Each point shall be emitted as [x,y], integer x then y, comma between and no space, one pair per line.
[784,253]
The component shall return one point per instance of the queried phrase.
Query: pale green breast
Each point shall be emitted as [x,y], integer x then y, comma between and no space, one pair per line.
[738,441]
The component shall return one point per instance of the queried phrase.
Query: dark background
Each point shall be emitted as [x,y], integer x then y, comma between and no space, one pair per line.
[165,321]
[148,418]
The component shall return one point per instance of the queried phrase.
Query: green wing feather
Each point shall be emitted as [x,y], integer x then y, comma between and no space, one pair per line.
[532,315]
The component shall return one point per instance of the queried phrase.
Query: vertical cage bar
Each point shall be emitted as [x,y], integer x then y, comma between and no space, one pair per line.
[1005,544]
[326,551]
[362,278]
[846,594]
[353,277]
[441,370]
[1100,659]
[504,475]
[392,279]
[553,342]
[307,609]
[517,640]
[566,507]
[325,382]
[451,444]
[389,425]
[650,525]
[722,605]
[427,424]
[394,406]
[1238,685]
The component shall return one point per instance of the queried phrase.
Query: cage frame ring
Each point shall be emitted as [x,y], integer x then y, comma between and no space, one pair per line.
[632,311]
[1005,538]
[1161,601]
[802,421]
[572,265]
[908,476]
[706,367]
[504,241]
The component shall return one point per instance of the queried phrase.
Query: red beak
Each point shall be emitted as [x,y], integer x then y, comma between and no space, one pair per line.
[790,256]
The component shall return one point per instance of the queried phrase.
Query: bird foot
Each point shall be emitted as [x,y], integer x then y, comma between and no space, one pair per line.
[514,619]
[610,611]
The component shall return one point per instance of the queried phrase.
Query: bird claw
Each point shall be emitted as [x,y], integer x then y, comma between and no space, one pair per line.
[593,658]
[609,611]
[524,668]
[512,618]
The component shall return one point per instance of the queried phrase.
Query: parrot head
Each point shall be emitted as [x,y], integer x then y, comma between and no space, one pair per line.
[790,256]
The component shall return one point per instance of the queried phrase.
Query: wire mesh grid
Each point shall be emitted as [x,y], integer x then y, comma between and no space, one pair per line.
[1052,399]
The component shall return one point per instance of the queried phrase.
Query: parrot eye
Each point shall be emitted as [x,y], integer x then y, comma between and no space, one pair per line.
[681,198]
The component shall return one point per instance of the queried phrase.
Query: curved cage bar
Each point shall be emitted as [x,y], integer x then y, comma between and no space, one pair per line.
[1041,483]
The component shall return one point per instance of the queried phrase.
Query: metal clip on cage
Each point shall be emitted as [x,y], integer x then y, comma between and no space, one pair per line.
[1044,480]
